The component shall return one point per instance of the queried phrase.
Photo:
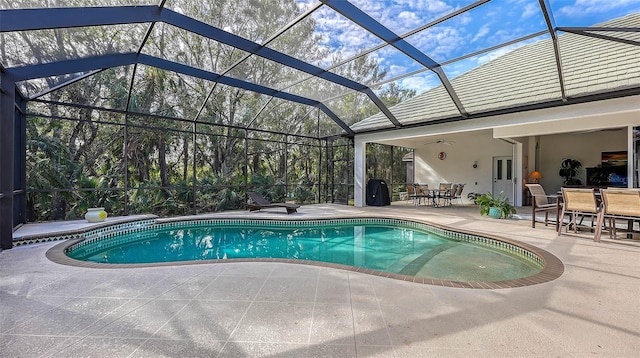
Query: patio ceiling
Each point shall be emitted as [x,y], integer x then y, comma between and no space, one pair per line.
[47,49]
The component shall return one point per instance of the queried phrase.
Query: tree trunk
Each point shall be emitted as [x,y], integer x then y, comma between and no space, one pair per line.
[162,162]
[185,158]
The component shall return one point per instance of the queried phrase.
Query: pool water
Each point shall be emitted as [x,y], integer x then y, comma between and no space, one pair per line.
[388,248]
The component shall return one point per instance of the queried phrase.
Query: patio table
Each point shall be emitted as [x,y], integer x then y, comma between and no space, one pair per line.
[436,195]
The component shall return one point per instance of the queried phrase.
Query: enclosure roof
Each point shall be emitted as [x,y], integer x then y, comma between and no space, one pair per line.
[527,76]
[329,64]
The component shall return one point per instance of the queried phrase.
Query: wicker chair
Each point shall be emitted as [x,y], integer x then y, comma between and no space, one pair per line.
[581,202]
[620,204]
[542,203]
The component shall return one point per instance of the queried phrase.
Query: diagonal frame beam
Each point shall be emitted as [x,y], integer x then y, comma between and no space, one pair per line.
[600,36]
[368,23]
[405,35]
[56,18]
[47,18]
[64,84]
[52,18]
[599,29]
[184,22]
[65,67]
[100,62]
[551,26]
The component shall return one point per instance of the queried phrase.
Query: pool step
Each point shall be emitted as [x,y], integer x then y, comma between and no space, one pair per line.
[413,267]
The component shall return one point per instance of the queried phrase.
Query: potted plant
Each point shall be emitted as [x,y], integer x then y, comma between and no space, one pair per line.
[568,171]
[497,207]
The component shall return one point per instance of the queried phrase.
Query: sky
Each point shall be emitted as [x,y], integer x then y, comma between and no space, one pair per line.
[487,25]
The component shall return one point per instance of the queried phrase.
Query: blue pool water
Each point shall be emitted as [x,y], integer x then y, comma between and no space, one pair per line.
[389,248]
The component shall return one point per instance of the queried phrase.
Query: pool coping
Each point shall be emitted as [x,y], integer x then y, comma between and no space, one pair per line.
[79,227]
[552,268]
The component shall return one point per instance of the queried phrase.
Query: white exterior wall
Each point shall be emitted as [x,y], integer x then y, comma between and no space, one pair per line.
[458,166]
[585,147]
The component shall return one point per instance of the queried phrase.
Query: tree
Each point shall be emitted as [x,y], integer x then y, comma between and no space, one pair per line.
[78,146]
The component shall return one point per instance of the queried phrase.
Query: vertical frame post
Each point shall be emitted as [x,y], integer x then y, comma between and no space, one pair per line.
[9,139]
[194,146]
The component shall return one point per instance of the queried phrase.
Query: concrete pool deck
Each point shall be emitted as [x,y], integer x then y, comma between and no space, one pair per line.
[287,310]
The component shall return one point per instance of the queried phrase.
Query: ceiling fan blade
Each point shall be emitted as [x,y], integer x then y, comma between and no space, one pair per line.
[441,141]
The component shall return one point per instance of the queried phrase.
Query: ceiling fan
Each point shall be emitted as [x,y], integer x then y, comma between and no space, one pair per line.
[441,141]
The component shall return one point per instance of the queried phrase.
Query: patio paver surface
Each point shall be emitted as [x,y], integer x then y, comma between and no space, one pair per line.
[255,309]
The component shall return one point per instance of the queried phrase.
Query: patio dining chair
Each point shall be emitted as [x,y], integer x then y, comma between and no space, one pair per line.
[457,196]
[542,203]
[449,194]
[581,202]
[413,194]
[423,193]
[445,186]
[442,191]
[620,204]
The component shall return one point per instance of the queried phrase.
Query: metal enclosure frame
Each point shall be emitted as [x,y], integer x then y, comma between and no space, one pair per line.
[13,105]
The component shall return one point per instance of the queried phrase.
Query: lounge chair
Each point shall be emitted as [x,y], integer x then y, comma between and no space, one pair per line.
[259,202]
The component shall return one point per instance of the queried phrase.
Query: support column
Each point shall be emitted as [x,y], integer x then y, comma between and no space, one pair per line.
[519,175]
[7,152]
[632,159]
[359,172]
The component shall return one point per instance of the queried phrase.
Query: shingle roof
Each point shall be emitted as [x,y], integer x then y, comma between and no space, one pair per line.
[528,75]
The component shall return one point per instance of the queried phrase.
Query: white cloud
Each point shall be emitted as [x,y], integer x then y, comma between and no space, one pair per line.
[370,7]
[587,7]
[409,19]
[497,53]
[425,5]
[305,4]
[419,83]
[464,19]
[438,41]
[456,69]
[395,70]
[482,32]
[530,10]
[342,35]
[401,16]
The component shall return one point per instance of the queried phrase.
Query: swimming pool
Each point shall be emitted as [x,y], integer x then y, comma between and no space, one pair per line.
[397,248]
